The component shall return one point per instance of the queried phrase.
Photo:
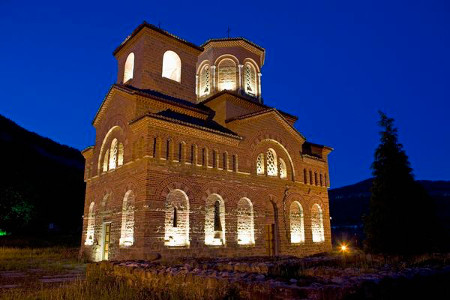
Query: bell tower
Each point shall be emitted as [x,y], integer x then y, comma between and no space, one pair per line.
[151,58]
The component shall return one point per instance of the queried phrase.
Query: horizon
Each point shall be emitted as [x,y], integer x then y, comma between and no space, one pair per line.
[348,61]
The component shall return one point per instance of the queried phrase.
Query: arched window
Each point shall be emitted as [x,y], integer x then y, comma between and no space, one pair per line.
[260,164]
[227,75]
[127,230]
[250,80]
[272,169]
[205,83]
[129,68]
[177,219]
[297,223]
[90,226]
[113,154]
[282,167]
[215,220]
[171,66]
[245,223]
[120,157]
[105,161]
[317,224]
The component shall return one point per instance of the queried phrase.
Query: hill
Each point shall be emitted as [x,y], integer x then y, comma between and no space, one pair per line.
[350,203]
[41,186]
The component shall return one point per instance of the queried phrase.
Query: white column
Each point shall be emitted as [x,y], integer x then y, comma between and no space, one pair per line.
[259,86]
[213,77]
[196,85]
[240,77]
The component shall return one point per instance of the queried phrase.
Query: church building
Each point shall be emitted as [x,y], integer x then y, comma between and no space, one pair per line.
[189,161]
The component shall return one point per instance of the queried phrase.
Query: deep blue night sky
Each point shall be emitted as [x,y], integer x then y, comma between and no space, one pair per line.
[331,63]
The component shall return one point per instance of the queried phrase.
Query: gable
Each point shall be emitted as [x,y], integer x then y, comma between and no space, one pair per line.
[267,120]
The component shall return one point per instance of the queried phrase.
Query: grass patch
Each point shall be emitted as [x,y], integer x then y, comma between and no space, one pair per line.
[53,259]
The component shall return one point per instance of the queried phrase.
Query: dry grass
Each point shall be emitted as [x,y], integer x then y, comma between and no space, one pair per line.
[56,259]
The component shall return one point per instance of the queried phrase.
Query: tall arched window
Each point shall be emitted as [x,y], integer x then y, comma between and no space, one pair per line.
[317,224]
[177,219]
[215,220]
[127,229]
[105,161]
[90,226]
[250,80]
[120,157]
[245,223]
[297,223]
[129,68]
[282,168]
[227,75]
[113,154]
[171,66]
[205,82]
[260,164]
[271,156]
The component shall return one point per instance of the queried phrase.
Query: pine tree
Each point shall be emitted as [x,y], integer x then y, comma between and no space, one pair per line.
[401,216]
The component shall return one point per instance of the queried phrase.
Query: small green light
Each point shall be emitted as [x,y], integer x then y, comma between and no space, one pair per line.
[2,233]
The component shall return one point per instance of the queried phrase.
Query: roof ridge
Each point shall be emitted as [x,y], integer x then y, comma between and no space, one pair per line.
[233,39]
[157,29]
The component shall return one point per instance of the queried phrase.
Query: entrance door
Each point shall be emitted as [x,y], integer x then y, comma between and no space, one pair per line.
[106,239]
[270,239]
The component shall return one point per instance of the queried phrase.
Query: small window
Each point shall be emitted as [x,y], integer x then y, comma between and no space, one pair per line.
[113,154]
[272,169]
[282,167]
[129,68]
[250,80]
[204,85]
[260,164]
[305,176]
[171,66]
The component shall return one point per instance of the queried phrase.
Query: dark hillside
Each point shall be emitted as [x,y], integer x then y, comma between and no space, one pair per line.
[348,204]
[41,186]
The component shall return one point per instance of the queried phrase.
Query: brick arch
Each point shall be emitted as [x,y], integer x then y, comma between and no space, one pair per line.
[215,189]
[202,64]
[280,144]
[176,183]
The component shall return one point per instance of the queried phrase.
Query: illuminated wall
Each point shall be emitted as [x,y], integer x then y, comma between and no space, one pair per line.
[227,75]
[297,223]
[176,219]
[214,220]
[127,228]
[91,226]
[245,222]
[317,224]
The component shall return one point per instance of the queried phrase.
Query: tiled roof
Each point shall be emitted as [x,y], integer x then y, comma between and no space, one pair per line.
[233,39]
[157,29]
[208,124]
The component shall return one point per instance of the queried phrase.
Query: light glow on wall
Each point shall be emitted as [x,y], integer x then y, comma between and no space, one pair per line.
[317,224]
[90,226]
[177,235]
[245,222]
[214,220]
[297,223]
[127,229]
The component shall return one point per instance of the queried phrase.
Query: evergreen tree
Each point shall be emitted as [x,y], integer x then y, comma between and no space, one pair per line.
[401,216]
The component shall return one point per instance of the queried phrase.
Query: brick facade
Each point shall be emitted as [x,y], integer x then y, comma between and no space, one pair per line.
[180,153]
